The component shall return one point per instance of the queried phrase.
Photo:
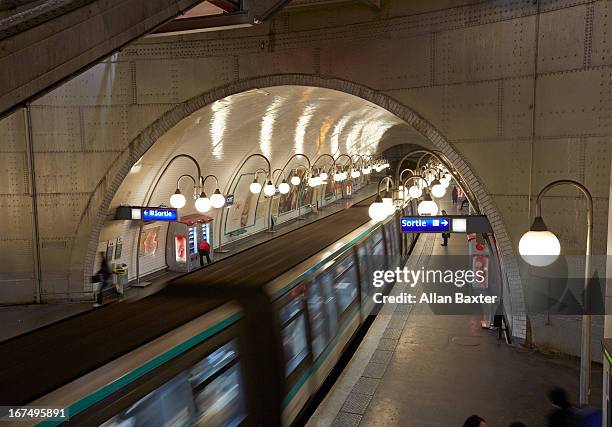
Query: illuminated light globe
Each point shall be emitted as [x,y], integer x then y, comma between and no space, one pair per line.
[217,200]
[389,205]
[323,176]
[367,170]
[269,189]
[202,203]
[377,210]
[177,200]
[438,191]
[428,206]
[378,168]
[344,176]
[312,182]
[415,192]
[283,187]
[255,187]
[337,177]
[355,173]
[539,247]
[295,180]
[445,182]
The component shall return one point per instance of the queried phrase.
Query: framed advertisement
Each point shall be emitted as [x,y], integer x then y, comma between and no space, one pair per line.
[118,247]
[110,249]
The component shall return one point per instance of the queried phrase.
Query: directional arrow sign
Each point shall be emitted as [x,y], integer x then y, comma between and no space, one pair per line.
[420,224]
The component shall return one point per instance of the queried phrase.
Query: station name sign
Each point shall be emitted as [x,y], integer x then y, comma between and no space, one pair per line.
[146,213]
[421,224]
[446,224]
[158,214]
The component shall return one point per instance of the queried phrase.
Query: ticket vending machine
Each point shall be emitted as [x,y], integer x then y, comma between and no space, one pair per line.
[182,242]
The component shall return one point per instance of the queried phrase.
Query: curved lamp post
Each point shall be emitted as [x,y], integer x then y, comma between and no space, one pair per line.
[540,247]
[268,173]
[295,180]
[217,200]
[382,207]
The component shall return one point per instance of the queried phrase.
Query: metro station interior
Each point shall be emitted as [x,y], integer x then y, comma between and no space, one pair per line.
[305,213]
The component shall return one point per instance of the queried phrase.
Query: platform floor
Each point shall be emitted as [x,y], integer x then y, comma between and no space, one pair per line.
[414,368]
[20,319]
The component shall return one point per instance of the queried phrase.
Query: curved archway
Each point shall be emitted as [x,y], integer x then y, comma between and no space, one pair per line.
[106,189]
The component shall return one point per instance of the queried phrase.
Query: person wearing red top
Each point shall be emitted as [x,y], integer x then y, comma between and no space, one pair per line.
[204,251]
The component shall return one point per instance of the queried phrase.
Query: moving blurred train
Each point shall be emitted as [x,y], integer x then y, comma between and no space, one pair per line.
[272,323]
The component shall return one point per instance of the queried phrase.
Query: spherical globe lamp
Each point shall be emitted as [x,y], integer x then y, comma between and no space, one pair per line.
[255,187]
[177,200]
[269,189]
[437,190]
[428,206]
[312,182]
[415,192]
[323,176]
[295,180]
[284,187]
[539,247]
[217,200]
[202,203]
[377,210]
[389,205]
[355,173]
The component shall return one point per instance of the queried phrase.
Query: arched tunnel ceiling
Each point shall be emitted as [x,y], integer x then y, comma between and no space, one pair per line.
[277,122]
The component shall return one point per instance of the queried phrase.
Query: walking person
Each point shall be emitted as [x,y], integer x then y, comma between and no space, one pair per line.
[104,276]
[455,195]
[204,251]
[563,415]
[445,236]
[475,421]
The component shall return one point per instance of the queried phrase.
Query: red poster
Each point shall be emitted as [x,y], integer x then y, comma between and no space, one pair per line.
[480,267]
[180,244]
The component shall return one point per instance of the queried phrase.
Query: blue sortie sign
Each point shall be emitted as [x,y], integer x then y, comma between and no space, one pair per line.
[158,214]
[419,224]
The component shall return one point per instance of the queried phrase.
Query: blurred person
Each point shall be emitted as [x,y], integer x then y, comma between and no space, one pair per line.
[563,414]
[204,251]
[103,276]
[475,421]
[455,195]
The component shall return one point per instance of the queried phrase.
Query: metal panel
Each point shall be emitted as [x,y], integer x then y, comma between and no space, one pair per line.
[575,103]
[517,104]
[259,64]
[107,83]
[181,79]
[12,133]
[105,128]
[15,219]
[384,64]
[485,52]
[499,164]
[602,34]
[561,50]
[56,129]
[13,167]
[59,214]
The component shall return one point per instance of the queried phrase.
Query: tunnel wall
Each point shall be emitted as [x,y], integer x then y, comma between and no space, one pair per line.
[525,98]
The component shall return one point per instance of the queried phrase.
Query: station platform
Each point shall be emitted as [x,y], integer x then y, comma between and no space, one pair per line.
[416,368]
[20,319]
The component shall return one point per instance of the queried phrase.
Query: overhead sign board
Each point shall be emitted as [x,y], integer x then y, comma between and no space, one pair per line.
[158,214]
[146,213]
[446,224]
[420,224]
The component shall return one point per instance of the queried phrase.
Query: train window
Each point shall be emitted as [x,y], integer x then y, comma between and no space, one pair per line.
[212,363]
[294,343]
[221,403]
[316,311]
[209,394]
[346,282]
[289,310]
[365,263]
[326,283]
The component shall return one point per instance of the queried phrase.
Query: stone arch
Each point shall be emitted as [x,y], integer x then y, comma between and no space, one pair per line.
[106,189]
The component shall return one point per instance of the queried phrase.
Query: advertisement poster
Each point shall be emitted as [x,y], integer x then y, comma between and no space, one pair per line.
[149,241]
[118,248]
[110,249]
[242,213]
[180,245]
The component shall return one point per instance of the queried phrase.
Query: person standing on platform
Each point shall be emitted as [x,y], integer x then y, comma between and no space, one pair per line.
[204,251]
[445,236]
[563,415]
[104,276]
[455,195]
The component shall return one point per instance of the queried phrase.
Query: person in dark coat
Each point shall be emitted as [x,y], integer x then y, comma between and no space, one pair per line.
[445,236]
[104,275]
[563,415]
[455,195]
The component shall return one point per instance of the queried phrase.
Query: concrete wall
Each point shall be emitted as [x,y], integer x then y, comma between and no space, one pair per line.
[525,97]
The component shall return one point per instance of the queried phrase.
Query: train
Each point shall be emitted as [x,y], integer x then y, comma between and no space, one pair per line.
[274,320]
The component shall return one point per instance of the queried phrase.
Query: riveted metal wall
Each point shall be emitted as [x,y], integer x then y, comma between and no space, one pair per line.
[468,70]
